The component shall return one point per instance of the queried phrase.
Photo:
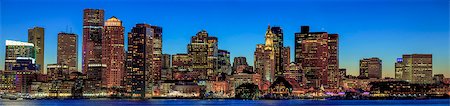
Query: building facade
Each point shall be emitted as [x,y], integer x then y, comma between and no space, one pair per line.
[36,36]
[370,68]
[317,53]
[113,53]
[415,68]
[67,52]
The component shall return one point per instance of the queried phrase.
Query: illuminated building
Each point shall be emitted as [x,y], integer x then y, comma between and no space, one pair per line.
[317,53]
[139,60]
[265,57]
[58,72]
[67,50]
[370,68]
[279,50]
[199,51]
[7,81]
[438,78]
[93,20]
[242,78]
[157,62]
[415,68]
[293,71]
[113,54]
[36,37]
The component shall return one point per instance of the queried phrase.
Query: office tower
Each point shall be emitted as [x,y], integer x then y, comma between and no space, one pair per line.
[113,54]
[278,49]
[139,60]
[237,61]
[415,68]
[224,65]
[67,51]
[157,53]
[93,20]
[370,68]
[17,50]
[58,72]
[199,51]
[317,53]
[36,36]
[265,57]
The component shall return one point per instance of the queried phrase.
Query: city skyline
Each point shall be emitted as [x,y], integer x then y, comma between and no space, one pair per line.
[355,42]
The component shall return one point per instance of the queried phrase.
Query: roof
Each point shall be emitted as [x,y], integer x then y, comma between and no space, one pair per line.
[17,43]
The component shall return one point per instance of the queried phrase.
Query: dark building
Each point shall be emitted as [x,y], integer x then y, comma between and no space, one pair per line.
[139,60]
[239,61]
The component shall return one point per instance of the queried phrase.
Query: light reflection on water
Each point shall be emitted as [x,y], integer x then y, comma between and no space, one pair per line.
[193,102]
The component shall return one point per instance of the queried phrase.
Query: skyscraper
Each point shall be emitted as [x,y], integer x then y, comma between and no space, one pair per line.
[68,50]
[157,53]
[278,49]
[139,61]
[317,53]
[36,36]
[415,68]
[113,54]
[370,68]
[265,63]
[199,51]
[93,20]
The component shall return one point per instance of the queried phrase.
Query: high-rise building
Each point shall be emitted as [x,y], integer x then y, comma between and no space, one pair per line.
[317,53]
[139,60]
[93,20]
[113,54]
[286,57]
[36,36]
[203,50]
[370,68]
[68,50]
[265,63]
[157,53]
[279,50]
[415,68]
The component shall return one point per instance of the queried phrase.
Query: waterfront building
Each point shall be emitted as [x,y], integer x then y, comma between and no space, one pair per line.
[113,54]
[317,53]
[370,68]
[415,68]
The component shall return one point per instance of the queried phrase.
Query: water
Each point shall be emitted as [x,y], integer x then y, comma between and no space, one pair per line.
[192,102]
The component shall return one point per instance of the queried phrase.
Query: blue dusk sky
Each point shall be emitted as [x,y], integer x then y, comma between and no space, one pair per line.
[368,28]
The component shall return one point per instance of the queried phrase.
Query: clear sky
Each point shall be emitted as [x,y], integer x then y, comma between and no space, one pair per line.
[369,28]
